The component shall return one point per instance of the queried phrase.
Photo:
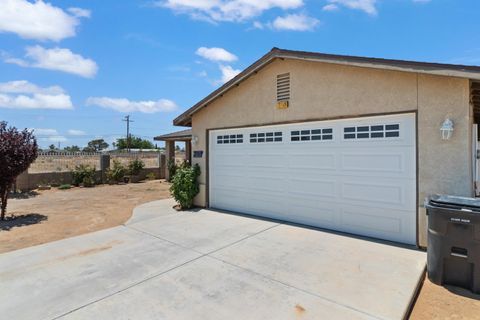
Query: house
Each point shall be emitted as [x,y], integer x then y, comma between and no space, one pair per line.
[345,143]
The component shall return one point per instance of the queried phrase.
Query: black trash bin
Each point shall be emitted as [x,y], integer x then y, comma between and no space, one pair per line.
[453,252]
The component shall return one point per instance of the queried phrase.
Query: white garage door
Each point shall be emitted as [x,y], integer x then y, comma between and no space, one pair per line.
[355,175]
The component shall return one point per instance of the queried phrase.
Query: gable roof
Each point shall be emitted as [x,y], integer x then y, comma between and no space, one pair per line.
[452,70]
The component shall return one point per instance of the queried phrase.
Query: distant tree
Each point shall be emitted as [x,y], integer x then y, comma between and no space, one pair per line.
[96,145]
[135,143]
[51,147]
[18,149]
[177,148]
[72,148]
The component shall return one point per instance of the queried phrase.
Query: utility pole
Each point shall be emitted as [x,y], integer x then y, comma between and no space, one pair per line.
[127,120]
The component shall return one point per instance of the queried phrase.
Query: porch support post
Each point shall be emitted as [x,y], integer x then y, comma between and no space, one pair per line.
[170,155]
[188,151]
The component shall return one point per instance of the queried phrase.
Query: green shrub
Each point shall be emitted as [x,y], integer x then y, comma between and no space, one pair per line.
[150,176]
[64,187]
[116,172]
[185,185]
[172,168]
[135,166]
[83,175]
[88,182]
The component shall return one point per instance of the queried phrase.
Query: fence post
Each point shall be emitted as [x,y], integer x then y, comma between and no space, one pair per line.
[22,182]
[104,166]
[162,164]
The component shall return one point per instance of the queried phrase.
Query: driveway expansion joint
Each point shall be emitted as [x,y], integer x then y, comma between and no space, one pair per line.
[202,255]
[128,287]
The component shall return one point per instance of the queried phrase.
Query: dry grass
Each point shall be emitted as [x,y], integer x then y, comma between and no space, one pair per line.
[437,302]
[57,214]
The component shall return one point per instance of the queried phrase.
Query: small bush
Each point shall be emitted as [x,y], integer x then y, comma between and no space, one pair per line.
[135,166]
[83,175]
[172,168]
[185,185]
[88,182]
[64,187]
[116,172]
[150,176]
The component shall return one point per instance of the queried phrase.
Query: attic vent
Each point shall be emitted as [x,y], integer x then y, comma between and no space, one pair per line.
[283,87]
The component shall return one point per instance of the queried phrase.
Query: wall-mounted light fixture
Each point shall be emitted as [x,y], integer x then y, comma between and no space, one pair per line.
[194,140]
[447,129]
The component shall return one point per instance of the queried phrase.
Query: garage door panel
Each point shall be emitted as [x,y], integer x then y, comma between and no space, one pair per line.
[383,192]
[372,193]
[266,160]
[353,217]
[359,184]
[317,161]
[310,187]
[377,225]
[314,214]
[265,171]
[382,162]
[229,181]
[226,159]
[272,185]
[224,199]
[266,203]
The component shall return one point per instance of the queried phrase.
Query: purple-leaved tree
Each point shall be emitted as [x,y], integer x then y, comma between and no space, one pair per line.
[18,149]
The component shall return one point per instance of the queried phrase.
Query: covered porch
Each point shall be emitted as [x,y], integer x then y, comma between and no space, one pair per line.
[170,140]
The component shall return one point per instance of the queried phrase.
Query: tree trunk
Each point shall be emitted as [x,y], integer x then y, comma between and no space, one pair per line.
[3,198]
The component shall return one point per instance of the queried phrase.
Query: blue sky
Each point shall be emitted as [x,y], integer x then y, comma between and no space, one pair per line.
[73,69]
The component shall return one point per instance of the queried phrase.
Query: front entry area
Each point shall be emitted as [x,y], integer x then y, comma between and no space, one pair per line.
[351,175]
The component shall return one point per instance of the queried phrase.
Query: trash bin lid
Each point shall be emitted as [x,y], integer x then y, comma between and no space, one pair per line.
[455,202]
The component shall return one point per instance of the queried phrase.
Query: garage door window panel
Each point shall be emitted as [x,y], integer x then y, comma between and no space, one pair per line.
[230,139]
[262,137]
[372,132]
[311,135]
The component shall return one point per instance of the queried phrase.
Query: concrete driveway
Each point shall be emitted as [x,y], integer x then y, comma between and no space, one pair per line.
[208,265]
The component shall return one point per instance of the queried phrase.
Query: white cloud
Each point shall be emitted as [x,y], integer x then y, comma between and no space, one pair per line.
[57,139]
[295,22]
[330,7]
[25,95]
[226,10]
[58,59]
[45,132]
[216,54]
[125,105]
[23,86]
[80,13]
[258,25]
[74,132]
[367,6]
[202,74]
[37,20]
[48,135]
[228,73]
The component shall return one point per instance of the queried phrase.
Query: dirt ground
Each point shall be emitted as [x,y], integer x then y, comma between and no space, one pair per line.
[57,214]
[437,302]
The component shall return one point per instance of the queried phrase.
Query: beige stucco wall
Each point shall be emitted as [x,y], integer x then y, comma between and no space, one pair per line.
[322,91]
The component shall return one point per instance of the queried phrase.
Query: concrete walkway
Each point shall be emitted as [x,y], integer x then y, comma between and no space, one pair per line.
[205,264]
